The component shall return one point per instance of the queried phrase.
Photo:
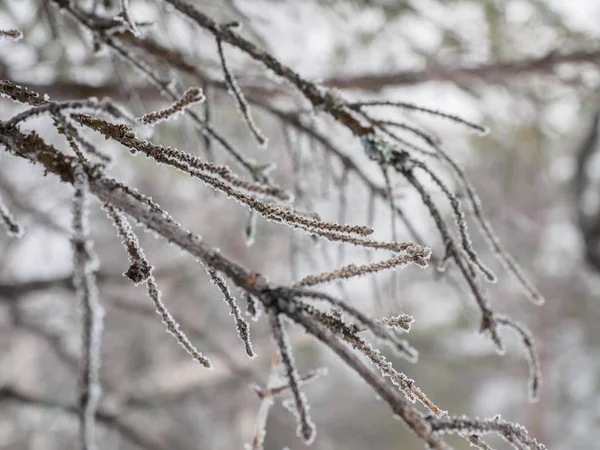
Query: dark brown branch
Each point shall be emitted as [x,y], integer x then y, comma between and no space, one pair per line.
[486,73]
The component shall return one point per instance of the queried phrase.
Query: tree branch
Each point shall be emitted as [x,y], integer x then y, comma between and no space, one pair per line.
[499,72]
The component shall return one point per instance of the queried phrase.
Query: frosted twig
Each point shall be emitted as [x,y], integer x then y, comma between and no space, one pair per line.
[13,227]
[260,424]
[92,312]
[238,95]
[267,395]
[352,270]
[172,325]
[241,324]
[90,105]
[513,433]
[208,94]
[403,105]
[493,241]
[65,126]
[427,137]
[384,126]
[190,97]
[533,294]
[181,160]
[139,268]
[20,94]
[342,185]
[165,89]
[461,222]
[359,242]
[401,346]
[535,373]
[399,379]
[306,428]
[402,322]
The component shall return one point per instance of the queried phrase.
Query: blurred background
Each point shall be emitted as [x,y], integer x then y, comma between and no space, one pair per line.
[527,69]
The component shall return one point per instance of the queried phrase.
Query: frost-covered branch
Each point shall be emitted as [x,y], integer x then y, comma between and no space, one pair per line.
[84,264]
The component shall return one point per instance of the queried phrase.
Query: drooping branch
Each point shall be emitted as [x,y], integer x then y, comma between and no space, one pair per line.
[295,303]
[33,148]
